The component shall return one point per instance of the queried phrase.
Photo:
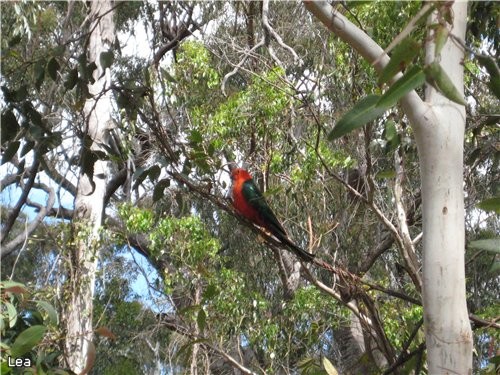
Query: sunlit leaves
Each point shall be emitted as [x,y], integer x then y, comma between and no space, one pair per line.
[137,220]
[192,72]
[329,367]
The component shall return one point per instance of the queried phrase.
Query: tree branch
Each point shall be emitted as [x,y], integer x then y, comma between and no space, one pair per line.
[171,323]
[11,219]
[270,31]
[57,177]
[407,247]
[375,253]
[11,246]
[413,106]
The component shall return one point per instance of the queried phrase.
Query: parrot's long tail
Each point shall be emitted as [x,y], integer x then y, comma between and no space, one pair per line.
[301,253]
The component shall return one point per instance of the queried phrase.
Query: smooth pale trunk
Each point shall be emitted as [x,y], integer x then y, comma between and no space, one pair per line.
[440,145]
[439,127]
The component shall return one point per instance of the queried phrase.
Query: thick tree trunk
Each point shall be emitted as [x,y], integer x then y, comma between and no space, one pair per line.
[440,146]
[439,126]
[90,198]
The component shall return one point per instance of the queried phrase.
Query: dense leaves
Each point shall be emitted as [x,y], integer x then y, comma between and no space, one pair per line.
[182,283]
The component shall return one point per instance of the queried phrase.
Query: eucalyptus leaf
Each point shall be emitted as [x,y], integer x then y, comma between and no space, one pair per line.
[491,245]
[364,111]
[412,79]
[27,340]
[490,204]
[437,77]
[52,68]
[402,55]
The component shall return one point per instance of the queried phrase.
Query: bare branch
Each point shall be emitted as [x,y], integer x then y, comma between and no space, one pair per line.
[11,219]
[174,30]
[113,185]
[11,246]
[272,33]
[57,177]
[336,295]
[406,247]
[239,65]
[375,253]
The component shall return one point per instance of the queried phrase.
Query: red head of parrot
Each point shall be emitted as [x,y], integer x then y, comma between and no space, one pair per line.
[250,203]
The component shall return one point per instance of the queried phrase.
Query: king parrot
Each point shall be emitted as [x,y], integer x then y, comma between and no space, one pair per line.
[250,203]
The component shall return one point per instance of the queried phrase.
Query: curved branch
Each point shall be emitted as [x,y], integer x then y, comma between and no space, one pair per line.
[11,246]
[336,295]
[239,65]
[57,177]
[412,105]
[270,31]
[8,180]
[11,219]
[113,185]
[375,253]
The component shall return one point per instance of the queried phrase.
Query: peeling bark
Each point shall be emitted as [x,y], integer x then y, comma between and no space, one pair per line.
[90,196]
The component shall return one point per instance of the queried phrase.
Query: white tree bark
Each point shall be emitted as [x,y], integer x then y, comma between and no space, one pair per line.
[89,201]
[439,126]
[448,332]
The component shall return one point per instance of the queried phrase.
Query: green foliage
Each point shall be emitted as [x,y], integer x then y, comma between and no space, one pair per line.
[193,76]
[229,303]
[216,280]
[402,56]
[399,321]
[136,220]
[490,204]
[385,13]
[412,79]
[28,329]
[307,168]
[364,111]
[259,106]
[185,238]
[491,245]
